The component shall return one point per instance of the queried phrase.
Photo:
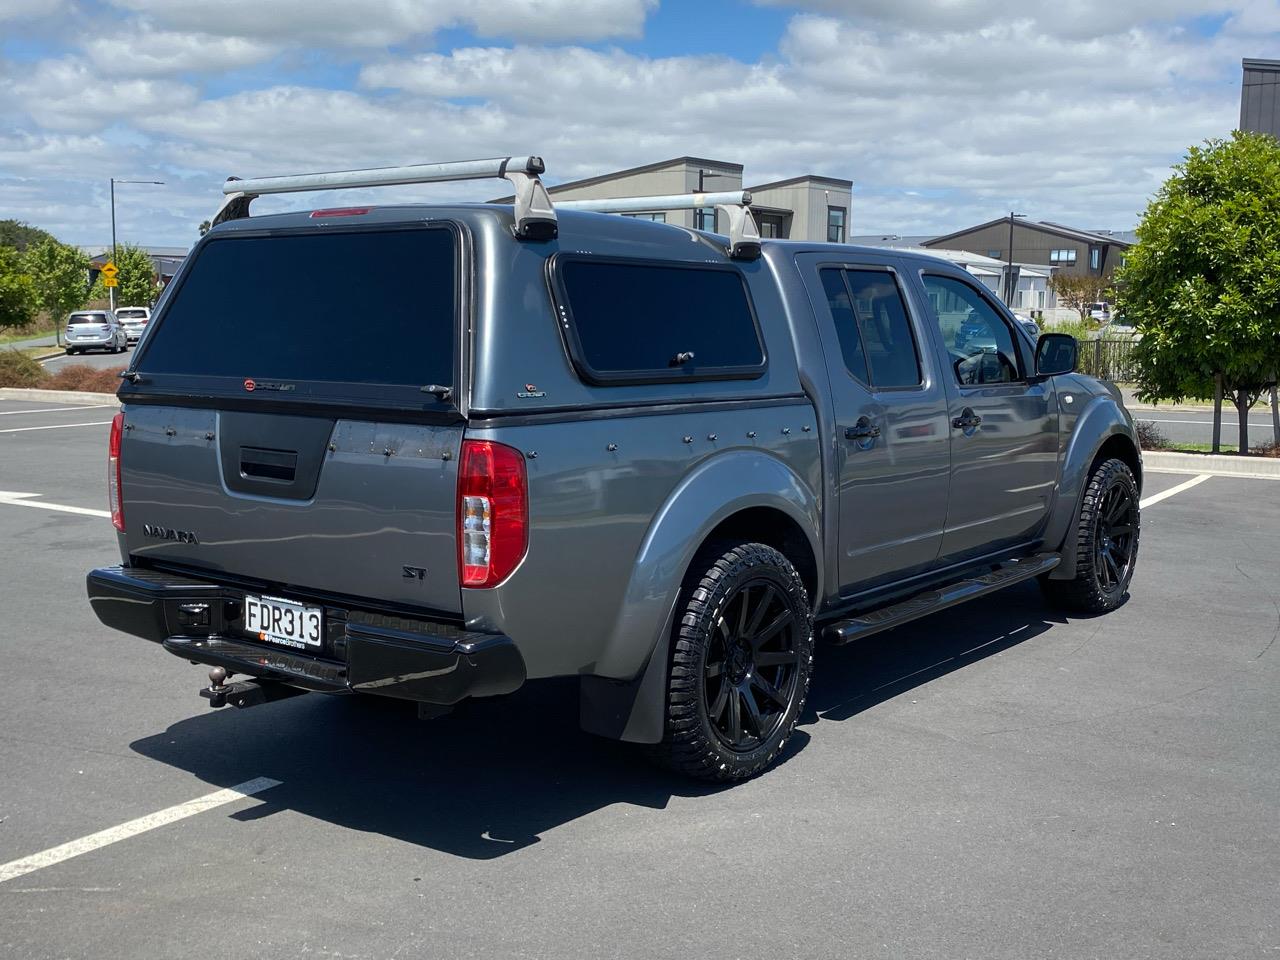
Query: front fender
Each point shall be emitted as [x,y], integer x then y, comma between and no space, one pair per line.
[1101,419]
[638,644]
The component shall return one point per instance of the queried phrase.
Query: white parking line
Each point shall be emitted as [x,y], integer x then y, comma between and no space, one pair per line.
[1166,494]
[47,858]
[57,426]
[14,499]
[83,406]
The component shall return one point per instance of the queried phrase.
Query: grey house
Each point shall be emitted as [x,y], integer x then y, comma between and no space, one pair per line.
[1065,249]
[800,208]
[1260,97]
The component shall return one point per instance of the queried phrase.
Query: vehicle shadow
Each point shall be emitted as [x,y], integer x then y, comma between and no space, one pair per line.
[495,776]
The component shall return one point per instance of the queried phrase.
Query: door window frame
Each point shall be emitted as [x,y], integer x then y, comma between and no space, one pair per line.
[983,294]
[913,324]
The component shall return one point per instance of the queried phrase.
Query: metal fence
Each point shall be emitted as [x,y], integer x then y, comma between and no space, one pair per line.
[1108,359]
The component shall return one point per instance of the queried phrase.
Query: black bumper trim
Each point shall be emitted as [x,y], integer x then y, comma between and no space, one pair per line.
[441,667]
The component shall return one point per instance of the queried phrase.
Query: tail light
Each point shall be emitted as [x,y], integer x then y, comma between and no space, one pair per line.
[493,512]
[114,493]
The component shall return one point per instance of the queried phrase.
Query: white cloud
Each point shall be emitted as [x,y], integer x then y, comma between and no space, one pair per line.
[67,95]
[152,52]
[375,23]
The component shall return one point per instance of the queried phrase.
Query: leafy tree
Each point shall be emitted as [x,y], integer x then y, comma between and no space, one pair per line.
[137,277]
[205,227]
[1203,282]
[1078,291]
[60,274]
[14,233]
[17,292]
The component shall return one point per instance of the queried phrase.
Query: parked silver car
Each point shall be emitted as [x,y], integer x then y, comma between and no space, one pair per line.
[95,330]
[134,320]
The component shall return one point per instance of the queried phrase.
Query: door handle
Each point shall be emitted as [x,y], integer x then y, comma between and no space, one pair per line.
[968,420]
[862,430]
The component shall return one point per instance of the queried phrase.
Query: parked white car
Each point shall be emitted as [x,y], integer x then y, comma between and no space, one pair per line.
[134,320]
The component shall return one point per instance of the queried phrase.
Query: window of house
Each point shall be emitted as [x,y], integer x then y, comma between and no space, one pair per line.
[836,224]
[1062,256]
[978,339]
[632,321]
[705,219]
[655,217]
[994,254]
[876,340]
[1095,259]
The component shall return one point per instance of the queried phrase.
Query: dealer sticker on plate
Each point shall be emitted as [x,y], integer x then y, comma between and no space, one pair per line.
[283,621]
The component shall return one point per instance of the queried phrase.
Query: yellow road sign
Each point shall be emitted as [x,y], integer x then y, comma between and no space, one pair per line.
[110,270]
[110,281]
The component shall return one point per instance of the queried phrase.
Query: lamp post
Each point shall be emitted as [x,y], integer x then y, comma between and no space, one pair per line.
[114,181]
[1008,277]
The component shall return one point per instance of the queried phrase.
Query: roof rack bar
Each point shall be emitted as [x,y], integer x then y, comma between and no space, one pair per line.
[675,201]
[495,168]
[535,217]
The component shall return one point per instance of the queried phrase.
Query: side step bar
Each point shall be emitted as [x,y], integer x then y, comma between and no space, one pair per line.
[931,601]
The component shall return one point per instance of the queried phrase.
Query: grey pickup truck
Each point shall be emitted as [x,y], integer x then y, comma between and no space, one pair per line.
[557,442]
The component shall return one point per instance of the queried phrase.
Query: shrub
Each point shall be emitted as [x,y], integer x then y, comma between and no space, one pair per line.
[19,370]
[80,376]
[1149,436]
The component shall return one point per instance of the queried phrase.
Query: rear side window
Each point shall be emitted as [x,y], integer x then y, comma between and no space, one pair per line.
[376,307]
[871,321]
[634,322]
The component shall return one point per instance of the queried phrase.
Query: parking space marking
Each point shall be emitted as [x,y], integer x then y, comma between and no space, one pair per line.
[14,499]
[83,406]
[47,858]
[57,426]
[1166,494]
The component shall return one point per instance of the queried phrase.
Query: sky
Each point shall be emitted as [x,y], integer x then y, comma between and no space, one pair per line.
[944,113]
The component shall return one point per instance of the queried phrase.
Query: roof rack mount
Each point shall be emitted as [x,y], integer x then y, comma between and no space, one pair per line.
[535,215]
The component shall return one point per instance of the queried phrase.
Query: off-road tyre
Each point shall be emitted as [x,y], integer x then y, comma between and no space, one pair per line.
[1106,539]
[744,612]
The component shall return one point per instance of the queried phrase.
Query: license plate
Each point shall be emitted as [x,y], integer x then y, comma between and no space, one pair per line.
[283,621]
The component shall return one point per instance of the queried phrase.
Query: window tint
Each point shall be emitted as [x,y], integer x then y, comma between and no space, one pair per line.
[87,318]
[846,324]
[979,341]
[632,321]
[263,307]
[887,339]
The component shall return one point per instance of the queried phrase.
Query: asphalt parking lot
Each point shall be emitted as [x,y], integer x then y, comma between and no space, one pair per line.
[996,781]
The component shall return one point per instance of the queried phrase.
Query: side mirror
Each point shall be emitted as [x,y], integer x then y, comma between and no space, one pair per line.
[1055,354]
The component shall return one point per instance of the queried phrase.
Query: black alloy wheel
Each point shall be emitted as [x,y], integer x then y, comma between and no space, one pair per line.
[1116,537]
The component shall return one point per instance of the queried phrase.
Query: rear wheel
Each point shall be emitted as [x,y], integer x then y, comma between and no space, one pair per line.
[1106,543]
[741,665]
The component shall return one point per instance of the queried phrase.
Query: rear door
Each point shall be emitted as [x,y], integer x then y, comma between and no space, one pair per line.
[890,413]
[274,433]
[1003,426]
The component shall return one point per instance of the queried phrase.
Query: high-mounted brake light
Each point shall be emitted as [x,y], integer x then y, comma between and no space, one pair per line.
[493,512]
[340,212]
[114,493]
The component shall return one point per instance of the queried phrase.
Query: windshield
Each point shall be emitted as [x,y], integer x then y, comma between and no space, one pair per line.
[278,309]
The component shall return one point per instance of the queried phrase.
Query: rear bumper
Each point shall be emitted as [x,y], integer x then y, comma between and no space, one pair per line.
[362,652]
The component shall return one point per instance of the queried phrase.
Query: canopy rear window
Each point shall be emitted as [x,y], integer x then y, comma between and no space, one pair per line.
[356,307]
[631,321]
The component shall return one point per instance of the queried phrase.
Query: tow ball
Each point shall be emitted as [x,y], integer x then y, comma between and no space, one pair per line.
[243,693]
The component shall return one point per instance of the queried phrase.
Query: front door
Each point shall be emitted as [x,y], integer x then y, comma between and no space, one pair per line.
[891,424]
[1003,424]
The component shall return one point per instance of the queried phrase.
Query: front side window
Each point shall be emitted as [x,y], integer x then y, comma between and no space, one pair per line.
[871,322]
[978,340]
[836,224]
[633,321]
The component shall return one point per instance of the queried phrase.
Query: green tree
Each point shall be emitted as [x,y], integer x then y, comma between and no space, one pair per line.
[205,227]
[60,274]
[15,233]
[1078,291]
[17,292]
[1203,282]
[137,277]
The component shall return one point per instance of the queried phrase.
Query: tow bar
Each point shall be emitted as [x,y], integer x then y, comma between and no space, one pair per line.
[244,693]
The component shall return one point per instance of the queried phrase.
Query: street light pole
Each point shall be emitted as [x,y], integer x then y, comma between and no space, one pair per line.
[1008,277]
[114,181]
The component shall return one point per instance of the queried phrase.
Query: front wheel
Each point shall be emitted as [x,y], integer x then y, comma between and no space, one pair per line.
[1106,543]
[741,665]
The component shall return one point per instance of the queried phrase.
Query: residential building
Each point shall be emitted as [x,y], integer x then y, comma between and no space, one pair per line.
[1053,245]
[164,260]
[807,207]
[1260,97]
[1031,292]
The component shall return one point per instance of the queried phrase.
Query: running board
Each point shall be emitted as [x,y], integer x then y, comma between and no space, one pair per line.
[931,601]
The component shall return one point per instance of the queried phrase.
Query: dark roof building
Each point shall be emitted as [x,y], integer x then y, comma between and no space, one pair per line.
[1063,248]
[1260,97]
